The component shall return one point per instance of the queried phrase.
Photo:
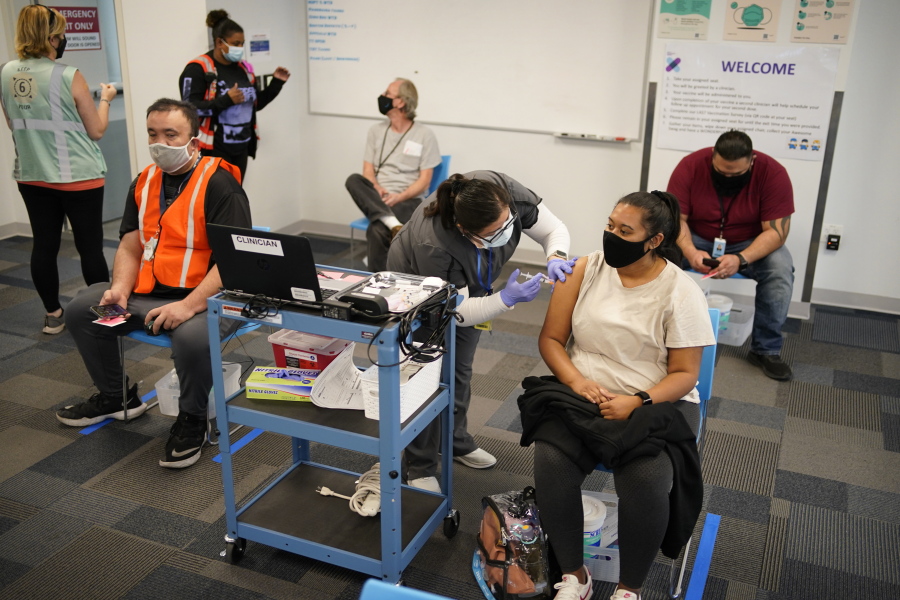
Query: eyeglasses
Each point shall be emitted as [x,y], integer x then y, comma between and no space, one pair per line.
[496,235]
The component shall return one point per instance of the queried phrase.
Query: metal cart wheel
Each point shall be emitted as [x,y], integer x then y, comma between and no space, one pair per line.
[451,523]
[234,551]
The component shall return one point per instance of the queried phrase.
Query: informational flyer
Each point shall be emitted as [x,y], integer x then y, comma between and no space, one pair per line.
[780,96]
[752,20]
[259,44]
[684,19]
[822,21]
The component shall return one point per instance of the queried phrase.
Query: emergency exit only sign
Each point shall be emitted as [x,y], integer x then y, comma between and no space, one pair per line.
[82,27]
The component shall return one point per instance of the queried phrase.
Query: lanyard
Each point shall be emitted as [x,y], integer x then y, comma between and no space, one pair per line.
[490,269]
[724,213]
[381,160]
[162,189]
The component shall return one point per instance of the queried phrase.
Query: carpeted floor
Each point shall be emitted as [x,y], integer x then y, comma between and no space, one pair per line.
[805,474]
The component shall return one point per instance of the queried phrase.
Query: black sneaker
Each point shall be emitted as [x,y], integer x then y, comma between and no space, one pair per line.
[772,365]
[101,407]
[185,441]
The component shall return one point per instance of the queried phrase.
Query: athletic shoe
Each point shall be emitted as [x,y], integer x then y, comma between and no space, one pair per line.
[185,441]
[429,484]
[570,589]
[54,325]
[101,407]
[477,459]
[772,366]
[625,595]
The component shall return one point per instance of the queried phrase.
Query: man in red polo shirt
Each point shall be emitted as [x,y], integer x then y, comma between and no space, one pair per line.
[736,207]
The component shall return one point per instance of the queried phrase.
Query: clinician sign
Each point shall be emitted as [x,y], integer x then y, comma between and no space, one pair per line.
[82,27]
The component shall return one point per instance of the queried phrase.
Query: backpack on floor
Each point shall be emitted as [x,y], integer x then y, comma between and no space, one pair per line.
[512,557]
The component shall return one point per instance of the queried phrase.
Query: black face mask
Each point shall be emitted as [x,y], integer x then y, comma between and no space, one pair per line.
[62,47]
[619,253]
[729,186]
[385,104]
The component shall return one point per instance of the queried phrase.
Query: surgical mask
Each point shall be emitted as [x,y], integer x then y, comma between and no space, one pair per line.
[234,54]
[171,158]
[619,253]
[729,186]
[501,239]
[385,104]
[61,48]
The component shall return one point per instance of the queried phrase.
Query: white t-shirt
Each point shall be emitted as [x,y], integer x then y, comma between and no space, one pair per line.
[398,158]
[620,335]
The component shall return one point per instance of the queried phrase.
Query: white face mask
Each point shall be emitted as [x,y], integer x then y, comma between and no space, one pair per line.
[171,158]
[502,238]
[234,54]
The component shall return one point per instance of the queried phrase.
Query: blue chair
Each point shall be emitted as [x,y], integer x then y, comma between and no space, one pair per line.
[704,390]
[441,173]
[164,341]
[375,589]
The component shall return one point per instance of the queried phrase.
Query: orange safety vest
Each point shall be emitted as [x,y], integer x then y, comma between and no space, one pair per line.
[207,129]
[182,255]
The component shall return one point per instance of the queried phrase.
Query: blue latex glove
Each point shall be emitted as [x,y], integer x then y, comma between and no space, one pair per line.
[515,292]
[557,268]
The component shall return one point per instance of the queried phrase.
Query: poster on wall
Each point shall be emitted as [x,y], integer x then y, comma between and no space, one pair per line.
[822,21]
[82,27]
[752,20]
[780,96]
[684,19]
[260,44]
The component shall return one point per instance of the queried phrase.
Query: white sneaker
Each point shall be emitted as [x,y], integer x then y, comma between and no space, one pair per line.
[429,484]
[570,589]
[477,459]
[625,595]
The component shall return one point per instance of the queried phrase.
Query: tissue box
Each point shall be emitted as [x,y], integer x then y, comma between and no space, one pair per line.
[274,383]
[414,391]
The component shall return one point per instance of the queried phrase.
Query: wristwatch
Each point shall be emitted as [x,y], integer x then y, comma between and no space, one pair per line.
[743,260]
[645,398]
[560,254]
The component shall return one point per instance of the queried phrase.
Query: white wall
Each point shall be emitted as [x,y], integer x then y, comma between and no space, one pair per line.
[304,159]
[864,195]
[13,216]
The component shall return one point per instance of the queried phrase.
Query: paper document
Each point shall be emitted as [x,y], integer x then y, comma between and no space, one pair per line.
[339,385]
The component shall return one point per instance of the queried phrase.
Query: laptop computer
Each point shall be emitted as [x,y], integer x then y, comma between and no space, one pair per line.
[274,265]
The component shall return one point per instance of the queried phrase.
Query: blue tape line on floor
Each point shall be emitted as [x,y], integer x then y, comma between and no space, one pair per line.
[704,556]
[92,428]
[255,433]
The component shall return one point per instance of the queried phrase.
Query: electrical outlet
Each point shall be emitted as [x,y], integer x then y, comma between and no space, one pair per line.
[827,230]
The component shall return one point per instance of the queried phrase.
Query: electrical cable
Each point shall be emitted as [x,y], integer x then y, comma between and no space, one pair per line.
[366,501]
[425,350]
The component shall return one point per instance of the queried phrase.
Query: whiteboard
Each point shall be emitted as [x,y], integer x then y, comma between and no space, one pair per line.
[549,66]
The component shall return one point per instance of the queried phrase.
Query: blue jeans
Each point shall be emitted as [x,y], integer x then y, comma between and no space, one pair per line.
[774,275]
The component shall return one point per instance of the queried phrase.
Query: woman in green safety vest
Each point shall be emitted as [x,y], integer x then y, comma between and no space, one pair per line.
[59,168]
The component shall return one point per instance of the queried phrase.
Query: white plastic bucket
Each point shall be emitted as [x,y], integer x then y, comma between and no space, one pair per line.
[168,391]
[594,516]
[724,304]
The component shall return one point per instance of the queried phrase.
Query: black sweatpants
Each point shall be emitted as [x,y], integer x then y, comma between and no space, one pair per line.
[643,487]
[378,236]
[47,208]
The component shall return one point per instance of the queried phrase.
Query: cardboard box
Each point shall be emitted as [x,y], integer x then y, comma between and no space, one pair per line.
[275,383]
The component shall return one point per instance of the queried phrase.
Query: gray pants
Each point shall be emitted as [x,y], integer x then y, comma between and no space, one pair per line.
[643,487]
[99,347]
[378,236]
[421,456]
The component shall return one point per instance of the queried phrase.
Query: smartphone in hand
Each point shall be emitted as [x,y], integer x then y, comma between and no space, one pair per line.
[109,311]
[711,262]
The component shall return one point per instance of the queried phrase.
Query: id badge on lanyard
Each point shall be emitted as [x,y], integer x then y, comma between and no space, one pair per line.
[150,248]
[718,247]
